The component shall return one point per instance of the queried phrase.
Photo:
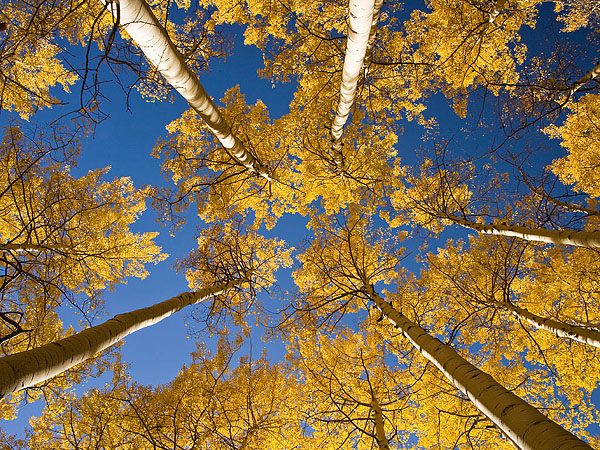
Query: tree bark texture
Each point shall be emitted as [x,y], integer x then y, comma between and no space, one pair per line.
[589,239]
[520,422]
[359,29]
[28,247]
[382,440]
[143,27]
[33,366]
[574,332]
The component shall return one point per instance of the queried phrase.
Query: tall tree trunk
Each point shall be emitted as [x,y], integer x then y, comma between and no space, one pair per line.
[359,28]
[589,239]
[27,368]
[382,440]
[143,27]
[520,422]
[583,80]
[574,332]
[373,32]
[498,7]
[27,247]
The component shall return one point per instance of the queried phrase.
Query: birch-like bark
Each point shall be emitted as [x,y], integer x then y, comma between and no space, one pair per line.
[143,27]
[498,7]
[28,247]
[33,366]
[589,239]
[382,440]
[574,332]
[587,77]
[520,422]
[359,29]
[373,32]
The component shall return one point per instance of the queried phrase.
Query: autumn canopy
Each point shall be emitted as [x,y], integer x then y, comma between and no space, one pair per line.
[441,162]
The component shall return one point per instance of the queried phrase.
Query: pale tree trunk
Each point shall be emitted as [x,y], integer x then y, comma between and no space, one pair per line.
[143,27]
[498,7]
[373,32]
[524,425]
[359,29]
[574,332]
[382,440]
[587,77]
[589,239]
[27,247]
[33,366]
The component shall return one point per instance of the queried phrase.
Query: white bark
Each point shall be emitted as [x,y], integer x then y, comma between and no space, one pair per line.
[520,422]
[359,28]
[498,7]
[574,332]
[33,366]
[28,247]
[143,27]
[587,77]
[373,32]
[589,239]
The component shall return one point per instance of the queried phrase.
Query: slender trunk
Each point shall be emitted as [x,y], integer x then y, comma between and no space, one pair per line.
[143,27]
[27,247]
[520,422]
[373,32]
[359,28]
[587,77]
[382,441]
[574,332]
[27,368]
[498,7]
[590,239]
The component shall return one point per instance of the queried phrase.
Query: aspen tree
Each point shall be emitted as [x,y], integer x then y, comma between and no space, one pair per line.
[359,30]
[521,423]
[590,239]
[27,368]
[140,23]
[574,332]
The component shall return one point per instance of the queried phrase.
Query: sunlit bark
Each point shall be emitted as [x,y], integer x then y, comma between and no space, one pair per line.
[359,29]
[520,422]
[143,27]
[589,239]
[33,366]
[577,333]
[498,6]
[373,33]
[28,247]
[583,80]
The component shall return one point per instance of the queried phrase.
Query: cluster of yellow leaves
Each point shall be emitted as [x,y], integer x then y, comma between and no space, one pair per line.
[340,377]
[465,49]
[428,195]
[346,253]
[577,14]
[206,174]
[73,240]
[467,284]
[580,135]
[208,405]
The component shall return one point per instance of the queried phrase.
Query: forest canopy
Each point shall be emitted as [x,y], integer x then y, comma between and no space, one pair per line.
[440,163]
